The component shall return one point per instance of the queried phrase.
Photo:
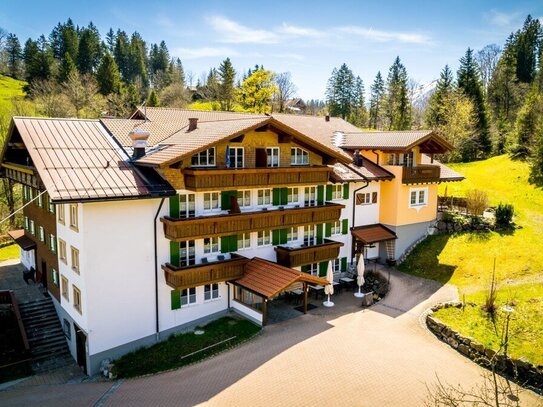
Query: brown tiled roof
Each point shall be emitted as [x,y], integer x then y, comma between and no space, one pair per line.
[390,140]
[78,160]
[373,233]
[369,171]
[447,173]
[23,241]
[268,279]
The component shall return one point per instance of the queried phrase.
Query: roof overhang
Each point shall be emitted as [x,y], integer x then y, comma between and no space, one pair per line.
[23,241]
[430,143]
[370,234]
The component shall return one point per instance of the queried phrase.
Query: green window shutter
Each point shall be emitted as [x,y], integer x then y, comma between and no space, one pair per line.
[323,268]
[320,194]
[225,199]
[174,206]
[176,299]
[229,243]
[174,253]
[305,268]
[319,233]
[283,236]
[328,192]
[275,237]
[345,226]
[284,196]
[343,264]
[327,230]
[345,191]
[276,196]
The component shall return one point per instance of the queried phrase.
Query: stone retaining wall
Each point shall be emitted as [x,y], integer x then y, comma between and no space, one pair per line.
[519,370]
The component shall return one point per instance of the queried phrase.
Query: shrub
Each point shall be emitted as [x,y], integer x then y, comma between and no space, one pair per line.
[477,201]
[504,215]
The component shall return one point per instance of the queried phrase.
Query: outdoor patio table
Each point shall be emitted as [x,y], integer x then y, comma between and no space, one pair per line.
[347,281]
[319,289]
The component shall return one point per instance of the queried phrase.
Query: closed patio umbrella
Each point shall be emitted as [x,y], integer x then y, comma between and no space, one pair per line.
[360,278]
[329,288]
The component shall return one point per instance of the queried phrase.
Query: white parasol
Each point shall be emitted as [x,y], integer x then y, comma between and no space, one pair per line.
[360,278]
[329,288]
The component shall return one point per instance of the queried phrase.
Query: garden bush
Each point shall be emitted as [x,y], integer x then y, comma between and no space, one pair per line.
[504,215]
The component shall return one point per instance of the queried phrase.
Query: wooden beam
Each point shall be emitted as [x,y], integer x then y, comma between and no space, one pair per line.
[264,311]
[305,298]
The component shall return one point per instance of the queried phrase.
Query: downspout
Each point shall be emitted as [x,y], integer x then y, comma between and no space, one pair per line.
[157,334]
[353,243]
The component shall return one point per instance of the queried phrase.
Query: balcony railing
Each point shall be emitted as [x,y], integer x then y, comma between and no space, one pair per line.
[291,256]
[206,273]
[232,224]
[421,174]
[21,174]
[205,179]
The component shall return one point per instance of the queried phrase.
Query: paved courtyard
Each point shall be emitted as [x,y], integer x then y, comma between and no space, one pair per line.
[382,356]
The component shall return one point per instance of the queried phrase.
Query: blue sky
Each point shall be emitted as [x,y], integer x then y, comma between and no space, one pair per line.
[307,39]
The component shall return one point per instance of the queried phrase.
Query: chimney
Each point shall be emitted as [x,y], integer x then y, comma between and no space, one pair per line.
[193,123]
[358,160]
[327,118]
[139,142]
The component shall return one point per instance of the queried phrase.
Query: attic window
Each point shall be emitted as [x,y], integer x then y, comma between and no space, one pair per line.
[204,158]
[299,156]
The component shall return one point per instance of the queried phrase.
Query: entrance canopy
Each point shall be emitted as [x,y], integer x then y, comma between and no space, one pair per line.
[23,241]
[268,279]
[373,234]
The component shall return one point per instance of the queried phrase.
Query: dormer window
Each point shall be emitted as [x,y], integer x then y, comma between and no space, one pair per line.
[299,156]
[204,158]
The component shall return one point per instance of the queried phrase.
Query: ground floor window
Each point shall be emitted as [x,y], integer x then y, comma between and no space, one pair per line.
[336,265]
[312,269]
[418,197]
[211,292]
[188,296]
[248,298]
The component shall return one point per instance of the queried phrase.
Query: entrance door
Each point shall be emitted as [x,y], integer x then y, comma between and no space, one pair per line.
[44,274]
[80,345]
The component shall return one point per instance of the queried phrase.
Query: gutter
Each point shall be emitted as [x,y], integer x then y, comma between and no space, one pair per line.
[157,328]
[353,219]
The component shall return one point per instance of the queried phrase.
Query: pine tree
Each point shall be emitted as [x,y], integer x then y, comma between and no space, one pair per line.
[67,67]
[110,41]
[340,92]
[137,61]
[69,41]
[469,82]
[397,103]
[89,53]
[120,53]
[359,115]
[226,93]
[38,59]
[108,77]
[14,55]
[376,101]
[528,42]
[152,100]
[437,105]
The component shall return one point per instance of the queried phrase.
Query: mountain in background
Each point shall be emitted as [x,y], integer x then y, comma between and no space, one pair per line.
[422,94]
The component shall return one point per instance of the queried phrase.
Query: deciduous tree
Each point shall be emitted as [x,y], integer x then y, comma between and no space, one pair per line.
[257,90]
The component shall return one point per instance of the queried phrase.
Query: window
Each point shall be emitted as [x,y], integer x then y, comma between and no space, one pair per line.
[235,157]
[77,298]
[60,213]
[188,296]
[292,196]
[51,206]
[204,158]
[64,288]
[74,224]
[309,234]
[312,269]
[211,292]
[52,243]
[54,277]
[42,234]
[401,159]
[25,193]
[187,206]
[335,228]
[211,245]
[292,234]
[310,196]
[67,329]
[187,253]
[264,238]
[247,298]
[211,201]
[264,197]
[273,156]
[244,241]
[244,199]
[298,156]
[32,227]
[337,192]
[62,250]
[366,198]
[75,259]
[39,200]
[27,223]
[336,265]
[418,197]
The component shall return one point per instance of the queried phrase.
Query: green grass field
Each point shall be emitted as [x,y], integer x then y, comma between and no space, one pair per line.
[9,252]
[10,88]
[467,259]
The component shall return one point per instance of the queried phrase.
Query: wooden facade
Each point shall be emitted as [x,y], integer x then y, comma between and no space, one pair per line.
[421,174]
[196,275]
[245,222]
[300,256]
[222,179]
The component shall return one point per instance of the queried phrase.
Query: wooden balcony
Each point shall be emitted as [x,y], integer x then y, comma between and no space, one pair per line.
[300,256]
[421,174]
[213,179]
[208,273]
[245,222]
[21,174]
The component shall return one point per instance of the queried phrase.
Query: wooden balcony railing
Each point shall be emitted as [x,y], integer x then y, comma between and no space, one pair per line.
[208,273]
[21,174]
[421,174]
[206,179]
[232,224]
[300,256]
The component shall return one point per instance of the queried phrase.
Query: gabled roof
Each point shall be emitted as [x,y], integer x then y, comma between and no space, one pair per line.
[369,171]
[268,279]
[78,160]
[427,140]
[446,173]
[373,233]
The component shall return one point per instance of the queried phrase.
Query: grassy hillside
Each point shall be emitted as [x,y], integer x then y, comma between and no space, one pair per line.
[10,88]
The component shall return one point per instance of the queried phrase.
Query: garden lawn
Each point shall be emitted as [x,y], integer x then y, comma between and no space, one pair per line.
[176,351]
[9,252]
[466,259]
[10,88]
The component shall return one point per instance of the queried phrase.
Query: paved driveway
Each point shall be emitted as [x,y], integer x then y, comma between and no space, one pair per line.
[382,356]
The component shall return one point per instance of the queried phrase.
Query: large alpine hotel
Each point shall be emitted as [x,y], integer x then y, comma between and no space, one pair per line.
[142,227]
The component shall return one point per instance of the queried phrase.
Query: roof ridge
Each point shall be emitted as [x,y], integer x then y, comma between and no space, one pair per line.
[198,110]
[76,119]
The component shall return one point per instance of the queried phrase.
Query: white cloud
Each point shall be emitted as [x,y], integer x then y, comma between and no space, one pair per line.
[235,33]
[297,31]
[387,36]
[502,19]
[204,52]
